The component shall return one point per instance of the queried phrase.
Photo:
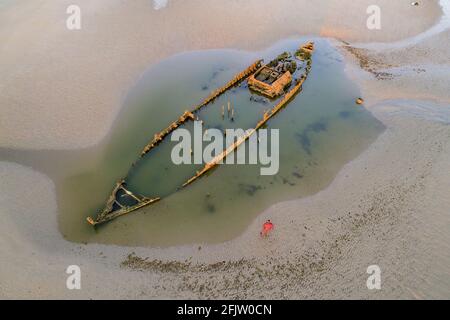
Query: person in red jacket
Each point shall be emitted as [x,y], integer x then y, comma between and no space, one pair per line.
[266,228]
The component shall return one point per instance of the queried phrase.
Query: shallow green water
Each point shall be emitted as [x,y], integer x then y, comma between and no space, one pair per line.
[320,130]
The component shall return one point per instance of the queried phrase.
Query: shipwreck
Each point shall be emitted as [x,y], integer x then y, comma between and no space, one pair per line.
[279,79]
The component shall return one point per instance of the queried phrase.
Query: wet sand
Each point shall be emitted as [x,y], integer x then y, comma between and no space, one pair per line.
[388,207]
[63,89]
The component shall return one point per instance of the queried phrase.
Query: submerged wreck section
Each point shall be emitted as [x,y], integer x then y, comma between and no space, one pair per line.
[267,116]
[271,80]
[120,202]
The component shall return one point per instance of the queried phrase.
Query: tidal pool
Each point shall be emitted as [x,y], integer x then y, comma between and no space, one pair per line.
[320,131]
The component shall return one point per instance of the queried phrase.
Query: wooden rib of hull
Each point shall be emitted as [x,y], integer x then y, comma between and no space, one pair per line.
[122,211]
[218,159]
[238,78]
[108,213]
[164,133]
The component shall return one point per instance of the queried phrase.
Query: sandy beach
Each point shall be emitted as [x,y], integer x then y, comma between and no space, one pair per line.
[389,206]
[52,99]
